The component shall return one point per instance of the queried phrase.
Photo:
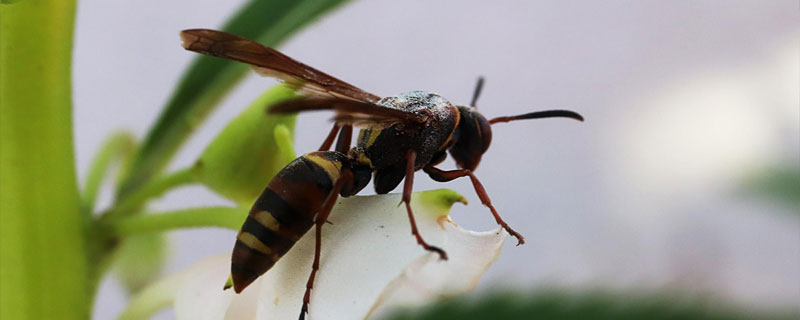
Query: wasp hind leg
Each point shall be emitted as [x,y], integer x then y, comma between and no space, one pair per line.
[407,187]
[343,143]
[326,145]
[322,217]
[345,136]
[445,176]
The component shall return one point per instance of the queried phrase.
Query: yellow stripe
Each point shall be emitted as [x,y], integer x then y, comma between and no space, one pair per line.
[373,135]
[362,137]
[267,220]
[458,121]
[333,168]
[363,159]
[253,243]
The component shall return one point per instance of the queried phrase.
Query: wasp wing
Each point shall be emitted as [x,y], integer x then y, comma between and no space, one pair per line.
[352,112]
[269,62]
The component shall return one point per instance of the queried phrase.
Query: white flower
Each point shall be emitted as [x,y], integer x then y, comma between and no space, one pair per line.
[370,263]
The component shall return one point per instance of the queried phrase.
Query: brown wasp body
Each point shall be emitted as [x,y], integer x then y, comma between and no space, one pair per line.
[400,135]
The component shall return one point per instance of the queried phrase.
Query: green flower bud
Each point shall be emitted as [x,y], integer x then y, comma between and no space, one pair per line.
[140,260]
[252,148]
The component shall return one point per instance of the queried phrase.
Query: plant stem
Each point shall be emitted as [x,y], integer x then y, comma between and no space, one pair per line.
[224,217]
[116,147]
[153,188]
[42,246]
[104,247]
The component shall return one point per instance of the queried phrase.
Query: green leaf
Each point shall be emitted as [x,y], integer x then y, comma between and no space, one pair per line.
[43,256]
[208,79]
[251,149]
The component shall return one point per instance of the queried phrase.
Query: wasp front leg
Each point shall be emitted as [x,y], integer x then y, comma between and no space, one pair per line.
[407,188]
[445,176]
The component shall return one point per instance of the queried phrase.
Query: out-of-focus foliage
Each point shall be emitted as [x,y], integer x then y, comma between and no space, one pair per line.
[596,305]
[140,259]
[779,183]
[208,79]
[54,247]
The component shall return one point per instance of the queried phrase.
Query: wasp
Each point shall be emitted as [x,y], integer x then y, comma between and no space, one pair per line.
[399,135]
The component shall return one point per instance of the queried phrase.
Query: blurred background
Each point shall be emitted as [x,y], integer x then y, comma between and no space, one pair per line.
[684,175]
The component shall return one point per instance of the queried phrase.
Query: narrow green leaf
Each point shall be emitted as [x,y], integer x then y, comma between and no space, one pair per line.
[208,80]
[43,256]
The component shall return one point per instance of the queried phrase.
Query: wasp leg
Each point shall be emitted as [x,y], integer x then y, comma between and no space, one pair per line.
[326,145]
[410,156]
[322,217]
[444,176]
[343,144]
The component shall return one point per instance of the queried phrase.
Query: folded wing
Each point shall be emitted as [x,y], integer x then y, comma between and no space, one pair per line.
[269,62]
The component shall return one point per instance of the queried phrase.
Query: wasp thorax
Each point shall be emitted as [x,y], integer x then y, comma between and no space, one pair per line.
[417,101]
[473,137]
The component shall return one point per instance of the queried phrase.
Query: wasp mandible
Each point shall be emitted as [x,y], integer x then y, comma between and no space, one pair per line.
[399,135]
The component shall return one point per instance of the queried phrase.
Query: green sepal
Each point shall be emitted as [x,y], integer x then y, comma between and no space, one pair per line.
[245,155]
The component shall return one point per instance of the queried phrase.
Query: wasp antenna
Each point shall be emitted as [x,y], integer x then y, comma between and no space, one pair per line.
[540,115]
[477,92]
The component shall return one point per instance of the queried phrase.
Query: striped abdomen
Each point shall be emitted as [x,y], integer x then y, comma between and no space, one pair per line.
[282,214]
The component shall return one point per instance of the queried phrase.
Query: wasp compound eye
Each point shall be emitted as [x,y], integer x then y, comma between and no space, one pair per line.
[474,138]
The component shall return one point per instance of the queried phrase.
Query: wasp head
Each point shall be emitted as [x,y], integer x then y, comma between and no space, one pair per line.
[474,132]
[472,138]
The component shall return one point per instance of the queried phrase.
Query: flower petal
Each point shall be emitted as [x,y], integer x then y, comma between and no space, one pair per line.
[425,280]
[369,264]
[200,295]
[369,260]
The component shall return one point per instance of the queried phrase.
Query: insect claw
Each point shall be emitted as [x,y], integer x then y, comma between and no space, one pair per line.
[520,238]
[442,254]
